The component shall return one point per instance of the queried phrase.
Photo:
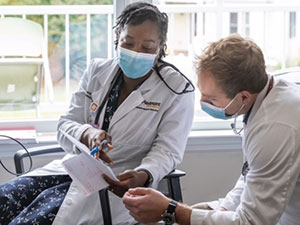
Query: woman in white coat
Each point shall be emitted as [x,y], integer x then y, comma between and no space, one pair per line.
[140,104]
[233,81]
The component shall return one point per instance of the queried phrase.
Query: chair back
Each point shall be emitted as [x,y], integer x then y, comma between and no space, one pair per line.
[20,37]
[23,63]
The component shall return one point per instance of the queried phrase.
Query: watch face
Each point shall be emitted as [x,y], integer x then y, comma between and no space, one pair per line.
[168,218]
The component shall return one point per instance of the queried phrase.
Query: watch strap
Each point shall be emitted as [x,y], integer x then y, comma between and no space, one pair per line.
[150,177]
[169,215]
[172,206]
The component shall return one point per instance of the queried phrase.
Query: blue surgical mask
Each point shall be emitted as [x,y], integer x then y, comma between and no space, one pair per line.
[218,112]
[135,64]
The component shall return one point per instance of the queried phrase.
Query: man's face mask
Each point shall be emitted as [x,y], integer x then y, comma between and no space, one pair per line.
[217,112]
[135,64]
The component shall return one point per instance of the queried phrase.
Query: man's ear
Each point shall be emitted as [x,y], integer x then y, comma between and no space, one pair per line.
[247,97]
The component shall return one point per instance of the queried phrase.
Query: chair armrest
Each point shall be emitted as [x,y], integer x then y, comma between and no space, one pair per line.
[175,174]
[174,188]
[21,154]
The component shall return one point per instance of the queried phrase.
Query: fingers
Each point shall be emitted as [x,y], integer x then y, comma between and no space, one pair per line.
[117,187]
[109,146]
[131,201]
[222,209]
[108,138]
[101,136]
[98,141]
[110,181]
[126,175]
[102,155]
[139,191]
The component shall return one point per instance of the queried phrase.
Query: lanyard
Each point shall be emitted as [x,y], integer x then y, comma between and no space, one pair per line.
[99,110]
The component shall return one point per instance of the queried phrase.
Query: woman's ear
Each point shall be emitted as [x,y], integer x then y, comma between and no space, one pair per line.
[162,48]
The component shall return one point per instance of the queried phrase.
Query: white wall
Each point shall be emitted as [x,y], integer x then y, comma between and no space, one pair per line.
[210,174]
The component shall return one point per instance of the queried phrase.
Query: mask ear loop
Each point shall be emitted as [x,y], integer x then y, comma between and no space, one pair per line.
[233,125]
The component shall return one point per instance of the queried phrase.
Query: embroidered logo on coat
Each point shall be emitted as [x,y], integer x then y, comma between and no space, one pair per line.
[148,105]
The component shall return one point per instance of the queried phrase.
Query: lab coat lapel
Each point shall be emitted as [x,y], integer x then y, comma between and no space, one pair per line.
[134,99]
[104,84]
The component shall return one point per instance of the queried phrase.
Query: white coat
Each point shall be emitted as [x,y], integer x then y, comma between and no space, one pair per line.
[149,131]
[270,194]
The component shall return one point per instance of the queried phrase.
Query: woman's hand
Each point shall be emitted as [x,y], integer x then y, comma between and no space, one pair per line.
[127,179]
[92,138]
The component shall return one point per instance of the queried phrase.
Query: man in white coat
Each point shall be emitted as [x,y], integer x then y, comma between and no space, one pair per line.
[140,104]
[233,81]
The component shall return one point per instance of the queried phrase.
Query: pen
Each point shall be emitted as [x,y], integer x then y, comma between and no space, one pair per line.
[96,149]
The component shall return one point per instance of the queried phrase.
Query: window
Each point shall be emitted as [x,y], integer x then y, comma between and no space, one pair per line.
[292,25]
[86,33]
[74,34]
[246,21]
[233,23]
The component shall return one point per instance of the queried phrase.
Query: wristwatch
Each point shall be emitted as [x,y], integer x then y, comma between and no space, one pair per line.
[169,215]
[150,177]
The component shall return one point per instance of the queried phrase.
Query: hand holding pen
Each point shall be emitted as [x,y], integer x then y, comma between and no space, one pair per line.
[98,140]
[99,152]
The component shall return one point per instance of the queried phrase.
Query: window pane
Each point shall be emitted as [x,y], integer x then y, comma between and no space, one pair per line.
[233,23]
[213,21]
[69,49]
[292,24]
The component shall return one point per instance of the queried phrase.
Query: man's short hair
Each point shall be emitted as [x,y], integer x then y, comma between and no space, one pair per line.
[236,63]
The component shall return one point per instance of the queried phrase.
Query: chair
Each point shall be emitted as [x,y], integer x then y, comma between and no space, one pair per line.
[172,179]
[23,62]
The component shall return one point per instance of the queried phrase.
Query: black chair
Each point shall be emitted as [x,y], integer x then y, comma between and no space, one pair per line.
[173,182]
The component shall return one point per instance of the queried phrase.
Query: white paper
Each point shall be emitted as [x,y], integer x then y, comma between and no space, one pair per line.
[77,143]
[87,171]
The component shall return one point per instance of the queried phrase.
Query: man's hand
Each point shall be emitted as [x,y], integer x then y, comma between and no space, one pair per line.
[92,137]
[146,205]
[127,179]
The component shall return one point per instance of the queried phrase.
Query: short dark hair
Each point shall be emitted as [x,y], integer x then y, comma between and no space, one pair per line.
[138,12]
[236,63]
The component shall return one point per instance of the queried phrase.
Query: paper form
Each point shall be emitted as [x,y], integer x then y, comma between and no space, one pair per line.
[85,170]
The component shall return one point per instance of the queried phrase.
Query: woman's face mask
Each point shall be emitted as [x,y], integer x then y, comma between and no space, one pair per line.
[217,112]
[135,64]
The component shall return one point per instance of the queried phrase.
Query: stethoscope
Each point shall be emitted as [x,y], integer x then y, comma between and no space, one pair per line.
[157,70]
[233,125]
[165,64]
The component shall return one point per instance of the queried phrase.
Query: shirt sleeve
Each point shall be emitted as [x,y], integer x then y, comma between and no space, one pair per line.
[233,198]
[274,170]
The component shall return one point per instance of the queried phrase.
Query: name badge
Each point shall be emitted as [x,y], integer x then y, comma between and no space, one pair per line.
[93,107]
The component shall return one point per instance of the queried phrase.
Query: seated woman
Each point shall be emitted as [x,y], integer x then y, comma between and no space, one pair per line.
[140,104]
